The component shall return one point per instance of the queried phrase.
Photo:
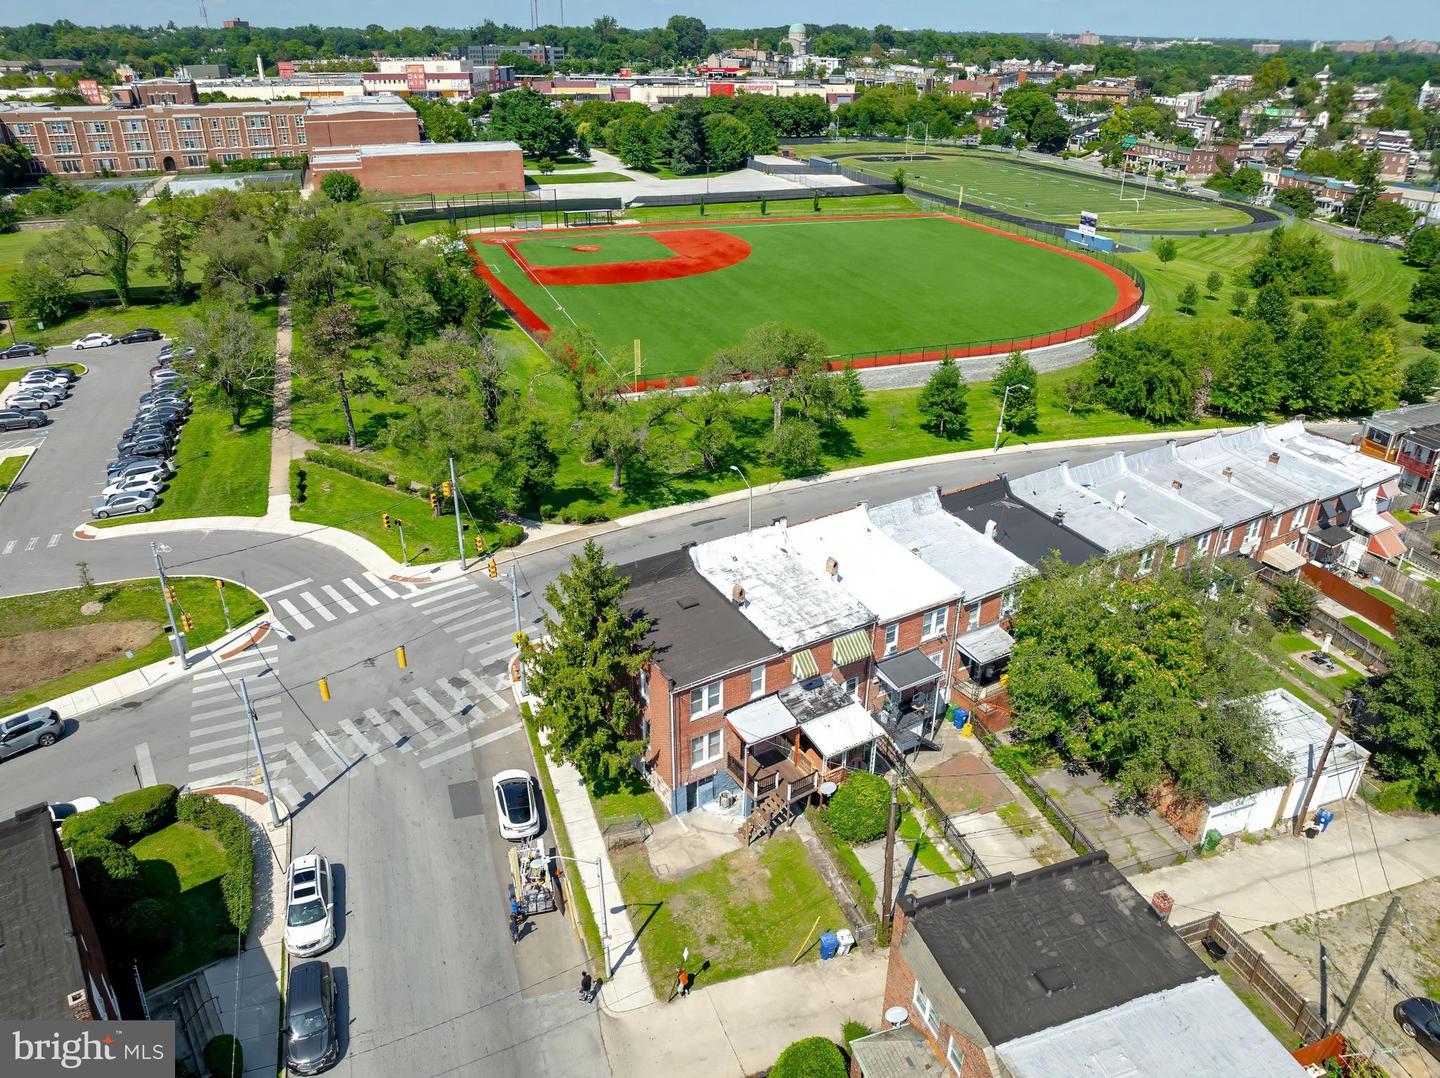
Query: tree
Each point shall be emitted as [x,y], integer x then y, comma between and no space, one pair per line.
[728,140]
[786,365]
[526,117]
[1165,249]
[1368,187]
[813,1057]
[1293,603]
[340,187]
[232,359]
[587,669]
[1249,383]
[713,411]
[1151,372]
[1402,712]
[1239,301]
[1050,132]
[689,35]
[1425,297]
[330,335]
[1272,307]
[1421,378]
[237,253]
[1022,410]
[794,448]
[1385,218]
[1301,200]
[1247,181]
[41,293]
[528,461]
[1114,671]
[942,401]
[685,145]
[177,223]
[1298,264]
[1423,247]
[1214,281]
[99,240]
[1189,298]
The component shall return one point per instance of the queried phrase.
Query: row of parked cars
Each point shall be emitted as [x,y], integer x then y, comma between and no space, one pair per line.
[143,465]
[38,390]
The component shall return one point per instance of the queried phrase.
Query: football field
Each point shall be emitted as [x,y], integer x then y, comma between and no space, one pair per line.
[880,285]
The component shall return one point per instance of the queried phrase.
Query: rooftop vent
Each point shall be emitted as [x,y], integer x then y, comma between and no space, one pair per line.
[1119,499]
[737,594]
[687,602]
[1054,979]
[1059,517]
[989,529]
[1274,458]
[1228,473]
[832,567]
[1176,484]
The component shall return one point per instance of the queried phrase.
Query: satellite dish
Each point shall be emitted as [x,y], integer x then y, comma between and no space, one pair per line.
[896,1016]
[827,788]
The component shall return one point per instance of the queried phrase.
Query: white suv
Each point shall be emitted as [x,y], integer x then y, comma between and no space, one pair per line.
[309,907]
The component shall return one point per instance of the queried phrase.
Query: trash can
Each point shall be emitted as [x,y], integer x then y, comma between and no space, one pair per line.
[846,939]
[959,716]
[829,944]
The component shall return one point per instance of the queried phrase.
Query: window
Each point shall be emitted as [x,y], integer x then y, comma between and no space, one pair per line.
[705,749]
[925,1009]
[257,123]
[194,160]
[187,123]
[955,1056]
[164,140]
[234,140]
[134,127]
[299,121]
[98,127]
[644,674]
[58,127]
[284,138]
[142,164]
[1252,533]
[300,138]
[1147,562]
[190,142]
[24,129]
[1275,526]
[892,637]
[214,123]
[972,616]
[64,147]
[108,164]
[852,686]
[138,145]
[70,166]
[261,140]
[1202,545]
[933,624]
[757,681]
[704,699]
[1229,539]
[1175,561]
[232,123]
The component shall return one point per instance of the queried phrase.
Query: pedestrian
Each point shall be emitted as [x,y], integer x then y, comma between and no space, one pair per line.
[515,927]
[585,985]
[682,981]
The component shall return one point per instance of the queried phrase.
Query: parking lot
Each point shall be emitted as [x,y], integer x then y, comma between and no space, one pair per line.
[59,485]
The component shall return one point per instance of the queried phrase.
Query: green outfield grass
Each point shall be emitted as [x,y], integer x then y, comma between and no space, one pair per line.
[871,285]
[1049,193]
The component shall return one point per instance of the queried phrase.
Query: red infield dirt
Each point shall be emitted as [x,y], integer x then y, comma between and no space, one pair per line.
[697,250]
[586,247]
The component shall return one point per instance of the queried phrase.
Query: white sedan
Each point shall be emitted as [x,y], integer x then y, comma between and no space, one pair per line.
[63,810]
[92,340]
[515,803]
[309,906]
[150,483]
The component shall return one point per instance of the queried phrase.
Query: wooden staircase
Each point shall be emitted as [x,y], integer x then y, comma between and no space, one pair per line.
[768,815]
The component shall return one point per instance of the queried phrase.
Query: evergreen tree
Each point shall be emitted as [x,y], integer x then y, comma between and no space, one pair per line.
[586,672]
[942,401]
[687,147]
[1022,412]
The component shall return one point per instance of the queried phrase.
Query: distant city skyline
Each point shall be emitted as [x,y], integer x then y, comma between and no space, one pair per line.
[1329,20]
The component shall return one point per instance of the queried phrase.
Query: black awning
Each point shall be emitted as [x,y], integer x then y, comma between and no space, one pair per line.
[907,670]
[1336,535]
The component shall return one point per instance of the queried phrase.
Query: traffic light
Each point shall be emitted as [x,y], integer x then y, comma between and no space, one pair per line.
[186,621]
[480,545]
[492,568]
[324,688]
[170,592]
[434,502]
[445,488]
[219,585]
[385,520]
[400,657]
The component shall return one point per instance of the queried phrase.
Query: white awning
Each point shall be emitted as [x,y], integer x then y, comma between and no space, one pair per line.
[1368,522]
[842,730]
[1283,558]
[763,719]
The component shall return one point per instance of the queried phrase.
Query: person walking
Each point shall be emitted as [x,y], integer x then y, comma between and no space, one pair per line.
[586,983]
[682,981]
[514,926]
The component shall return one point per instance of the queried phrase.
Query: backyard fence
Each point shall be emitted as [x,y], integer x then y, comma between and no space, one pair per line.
[1352,641]
[1406,587]
[1349,596]
[1078,838]
[618,831]
[1302,1016]
[952,835]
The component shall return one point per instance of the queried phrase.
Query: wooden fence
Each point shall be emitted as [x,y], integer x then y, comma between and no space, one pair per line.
[1351,597]
[1302,1016]
[1356,643]
[1415,592]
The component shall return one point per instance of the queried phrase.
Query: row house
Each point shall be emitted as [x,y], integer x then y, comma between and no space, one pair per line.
[1408,437]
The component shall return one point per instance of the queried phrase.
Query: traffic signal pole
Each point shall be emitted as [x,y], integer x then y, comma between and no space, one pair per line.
[455,501]
[169,607]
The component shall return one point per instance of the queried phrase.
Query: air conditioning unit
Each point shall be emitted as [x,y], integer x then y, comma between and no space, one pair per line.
[728,798]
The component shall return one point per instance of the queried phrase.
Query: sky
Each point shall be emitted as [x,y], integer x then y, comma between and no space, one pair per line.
[1323,19]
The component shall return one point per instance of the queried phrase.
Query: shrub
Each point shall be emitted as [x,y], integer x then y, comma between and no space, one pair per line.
[853,1031]
[350,466]
[1294,602]
[860,809]
[224,1057]
[109,874]
[814,1057]
[125,820]
[145,924]
[238,884]
[341,187]
[508,535]
[583,512]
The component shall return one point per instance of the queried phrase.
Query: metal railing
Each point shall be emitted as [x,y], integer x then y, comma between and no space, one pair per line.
[1079,839]
[968,857]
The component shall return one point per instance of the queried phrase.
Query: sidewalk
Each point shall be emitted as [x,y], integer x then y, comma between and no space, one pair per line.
[247,987]
[740,1027]
[282,438]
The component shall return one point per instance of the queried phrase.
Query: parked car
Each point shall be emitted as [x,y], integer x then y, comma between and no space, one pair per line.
[39,727]
[309,907]
[515,799]
[21,350]
[41,377]
[170,393]
[117,505]
[56,372]
[55,392]
[140,335]
[145,483]
[63,810]
[153,424]
[1419,1019]
[20,418]
[128,466]
[92,340]
[31,401]
[312,1043]
[168,352]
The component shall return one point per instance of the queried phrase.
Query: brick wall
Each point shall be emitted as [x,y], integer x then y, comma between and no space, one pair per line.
[357,128]
[87,942]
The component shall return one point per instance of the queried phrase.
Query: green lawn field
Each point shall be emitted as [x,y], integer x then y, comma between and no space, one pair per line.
[866,285]
[1050,193]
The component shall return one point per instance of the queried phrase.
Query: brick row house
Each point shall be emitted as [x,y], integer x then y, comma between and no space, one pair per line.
[1408,437]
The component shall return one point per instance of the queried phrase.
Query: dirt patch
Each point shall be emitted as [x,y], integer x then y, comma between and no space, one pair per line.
[34,658]
[586,247]
[696,250]
[964,784]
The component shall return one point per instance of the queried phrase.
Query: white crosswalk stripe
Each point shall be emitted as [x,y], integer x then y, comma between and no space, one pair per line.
[467,746]
[213,761]
[340,600]
[318,605]
[237,739]
[241,723]
[53,540]
[415,722]
[489,651]
[313,773]
[485,690]
[363,595]
[389,732]
[382,587]
[435,593]
[295,615]
[286,793]
[363,744]
[10,545]
[458,605]
[323,740]
[438,710]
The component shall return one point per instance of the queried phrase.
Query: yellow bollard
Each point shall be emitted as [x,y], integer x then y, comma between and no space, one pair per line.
[400,657]
[325,688]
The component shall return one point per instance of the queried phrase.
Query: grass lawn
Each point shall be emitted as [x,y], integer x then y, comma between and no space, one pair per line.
[1331,688]
[137,600]
[938,281]
[181,866]
[775,207]
[577,177]
[1365,629]
[218,471]
[626,804]
[9,469]
[862,886]
[926,852]
[750,910]
[1385,597]
[1401,795]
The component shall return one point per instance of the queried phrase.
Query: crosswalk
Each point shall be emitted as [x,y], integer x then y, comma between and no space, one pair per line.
[480,618]
[305,605]
[28,544]
[429,725]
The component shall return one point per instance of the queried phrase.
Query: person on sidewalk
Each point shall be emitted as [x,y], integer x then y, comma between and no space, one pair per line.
[682,981]
[514,926]
[585,985]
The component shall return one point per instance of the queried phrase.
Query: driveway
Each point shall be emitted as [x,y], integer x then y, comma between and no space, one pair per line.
[1136,839]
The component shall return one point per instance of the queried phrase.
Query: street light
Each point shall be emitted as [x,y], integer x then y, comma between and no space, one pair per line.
[750,507]
[1000,426]
[599,864]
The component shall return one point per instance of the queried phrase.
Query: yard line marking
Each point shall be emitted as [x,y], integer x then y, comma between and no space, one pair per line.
[10,545]
[382,587]
[491,656]
[239,739]
[452,600]
[313,773]
[340,600]
[392,735]
[329,746]
[286,587]
[364,596]
[485,690]
[31,544]
[295,615]
[368,748]
[438,710]
[448,754]
[318,605]
[53,540]
[229,709]
[233,758]
[144,764]
[442,591]
[416,723]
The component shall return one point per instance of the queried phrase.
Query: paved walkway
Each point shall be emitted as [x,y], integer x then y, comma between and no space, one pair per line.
[739,1027]
[282,447]
[247,987]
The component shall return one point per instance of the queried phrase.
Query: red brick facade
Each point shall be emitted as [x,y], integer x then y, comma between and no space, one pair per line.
[455,167]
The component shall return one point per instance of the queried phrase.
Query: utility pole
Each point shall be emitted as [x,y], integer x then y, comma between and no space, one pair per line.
[455,501]
[404,555]
[156,549]
[1370,957]
[259,753]
[515,605]
[887,900]
[1314,783]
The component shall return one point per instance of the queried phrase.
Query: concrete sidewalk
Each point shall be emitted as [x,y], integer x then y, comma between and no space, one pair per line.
[1362,854]
[740,1027]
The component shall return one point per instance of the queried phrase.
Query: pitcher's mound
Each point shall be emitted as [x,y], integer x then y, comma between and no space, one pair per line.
[586,247]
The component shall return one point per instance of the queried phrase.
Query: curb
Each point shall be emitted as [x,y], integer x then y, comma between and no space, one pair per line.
[29,456]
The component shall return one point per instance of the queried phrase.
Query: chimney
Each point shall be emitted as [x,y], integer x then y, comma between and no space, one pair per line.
[1064,467]
[737,594]
[989,529]
[1119,499]
[833,568]
[1176,484]
[1274,458]
[1228,473]
[259,67]
[1162,904]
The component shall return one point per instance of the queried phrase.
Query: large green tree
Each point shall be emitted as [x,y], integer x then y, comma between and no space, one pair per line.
[325,358]
[585,671]
[942,401]
[101,240]
[526,117]
[1402,710]
[1022,410]
[233,358]
[1249,381]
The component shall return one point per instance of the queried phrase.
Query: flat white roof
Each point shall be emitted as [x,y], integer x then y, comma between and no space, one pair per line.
[764,718]
[841,731]
[1098,519]
[411,149]
[1300,732]
[881,573]
[1367,470]
[977,566]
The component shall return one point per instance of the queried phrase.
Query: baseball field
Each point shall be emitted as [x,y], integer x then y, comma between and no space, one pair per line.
[875,285]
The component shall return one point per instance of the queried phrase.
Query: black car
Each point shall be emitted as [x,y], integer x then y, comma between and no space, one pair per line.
[140,335]
[22,350]
[157,420]
[312,1041]
[20,418]
[148,446]
[1419,1019]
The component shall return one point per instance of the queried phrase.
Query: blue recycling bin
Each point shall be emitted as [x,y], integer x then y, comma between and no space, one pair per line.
[1324,818]
[829,945]
[959,716]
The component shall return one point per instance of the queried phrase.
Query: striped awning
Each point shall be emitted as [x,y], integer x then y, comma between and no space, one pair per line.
[804,666]
[852,647]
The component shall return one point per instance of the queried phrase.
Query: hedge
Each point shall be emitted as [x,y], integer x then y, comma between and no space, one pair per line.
[508,535]
[109,874]
[145,924]
[814,1057]
[860,810]
[237,886]
[224,1057]
[350,466]
[125,820]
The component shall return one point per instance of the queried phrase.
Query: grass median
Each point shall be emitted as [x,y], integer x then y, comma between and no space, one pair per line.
[56,648]
[10,468]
